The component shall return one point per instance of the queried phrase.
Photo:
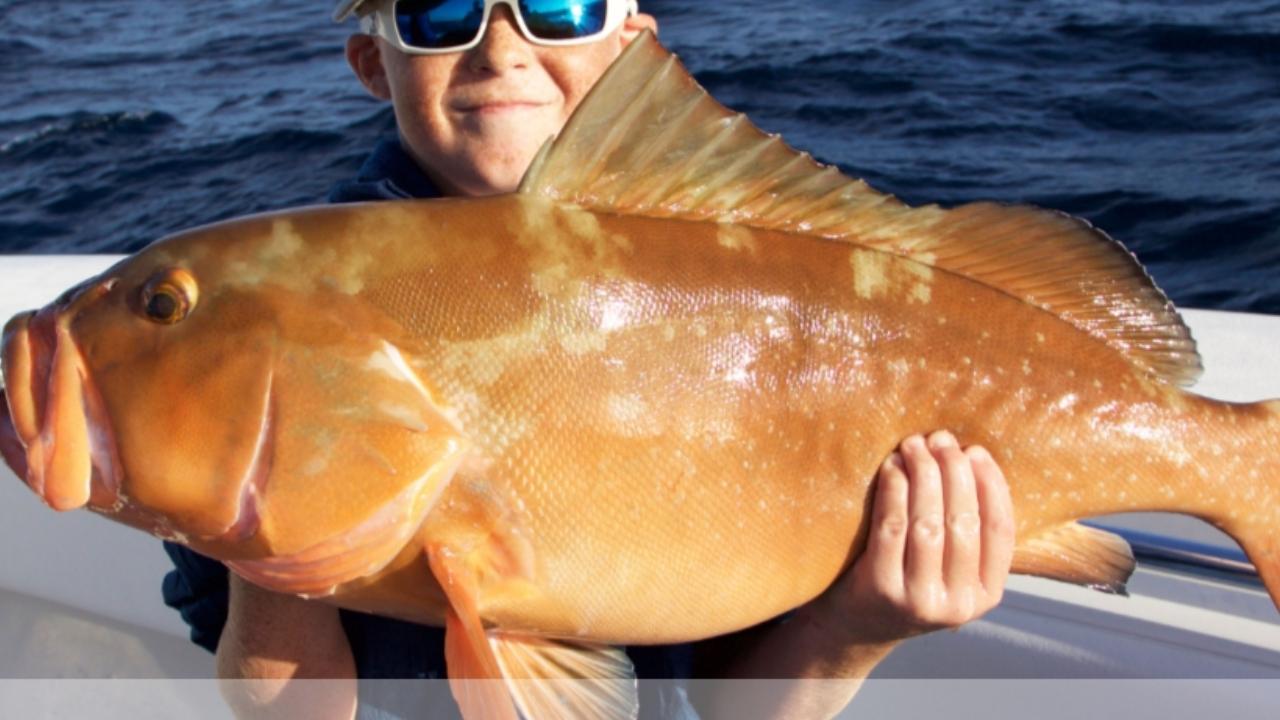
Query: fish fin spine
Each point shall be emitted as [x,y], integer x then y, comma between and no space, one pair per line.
[1077,554]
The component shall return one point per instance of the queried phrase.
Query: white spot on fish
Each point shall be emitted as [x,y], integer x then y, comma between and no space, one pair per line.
[735,237]
[632,416]
[870,272]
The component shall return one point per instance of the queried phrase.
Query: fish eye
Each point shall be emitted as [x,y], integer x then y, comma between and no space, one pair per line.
[169,296]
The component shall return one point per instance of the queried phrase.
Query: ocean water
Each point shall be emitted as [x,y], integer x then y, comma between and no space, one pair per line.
[124,120]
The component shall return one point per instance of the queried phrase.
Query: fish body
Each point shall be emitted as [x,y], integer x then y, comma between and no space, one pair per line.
[618,409]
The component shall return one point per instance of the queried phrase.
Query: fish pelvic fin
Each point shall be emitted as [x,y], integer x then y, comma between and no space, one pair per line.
[649,141]
[1077,554]
[492,673]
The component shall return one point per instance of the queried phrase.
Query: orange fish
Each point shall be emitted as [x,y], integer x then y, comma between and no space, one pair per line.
[639,401]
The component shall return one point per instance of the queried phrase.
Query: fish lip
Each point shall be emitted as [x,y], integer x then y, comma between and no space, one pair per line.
[11,448]
[26,362]
[37,396]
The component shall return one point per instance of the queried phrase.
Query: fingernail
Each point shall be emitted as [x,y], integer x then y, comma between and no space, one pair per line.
[895,460]
[942,439]
[977,453]
[913,442]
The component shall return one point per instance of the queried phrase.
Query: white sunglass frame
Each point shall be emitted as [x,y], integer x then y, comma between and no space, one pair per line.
[382,23]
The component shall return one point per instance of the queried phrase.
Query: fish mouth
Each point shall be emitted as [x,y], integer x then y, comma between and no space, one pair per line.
[53,432]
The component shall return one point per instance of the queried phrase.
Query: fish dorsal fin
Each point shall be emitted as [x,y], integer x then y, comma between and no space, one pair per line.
[648,140]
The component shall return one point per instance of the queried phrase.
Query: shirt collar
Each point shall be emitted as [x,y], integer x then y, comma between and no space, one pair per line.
[389,173]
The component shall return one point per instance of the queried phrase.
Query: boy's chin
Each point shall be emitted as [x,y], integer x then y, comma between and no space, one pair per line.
[499,175]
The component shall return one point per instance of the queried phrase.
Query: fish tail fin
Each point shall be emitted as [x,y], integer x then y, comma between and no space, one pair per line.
[1256,526]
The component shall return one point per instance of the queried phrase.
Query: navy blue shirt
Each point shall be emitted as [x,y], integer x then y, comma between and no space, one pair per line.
[385,649]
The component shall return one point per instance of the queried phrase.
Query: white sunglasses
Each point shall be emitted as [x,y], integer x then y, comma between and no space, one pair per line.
[432,27]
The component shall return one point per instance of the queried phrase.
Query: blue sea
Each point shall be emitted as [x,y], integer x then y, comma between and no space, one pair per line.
[1157,120]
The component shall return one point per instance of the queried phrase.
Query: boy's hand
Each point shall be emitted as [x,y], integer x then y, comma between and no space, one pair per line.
[940,544]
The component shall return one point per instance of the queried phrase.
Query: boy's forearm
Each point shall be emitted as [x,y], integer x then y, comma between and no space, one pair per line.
[283,657]
[801,668]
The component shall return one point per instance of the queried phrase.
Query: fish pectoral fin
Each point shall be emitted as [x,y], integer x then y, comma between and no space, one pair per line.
[1077,554]
[551,678]
[491,673]
[475,677]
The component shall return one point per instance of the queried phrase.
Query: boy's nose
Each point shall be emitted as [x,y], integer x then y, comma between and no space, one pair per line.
[502,47]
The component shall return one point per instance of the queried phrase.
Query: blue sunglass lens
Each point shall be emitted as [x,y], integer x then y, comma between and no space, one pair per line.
[438,24]
[564,19]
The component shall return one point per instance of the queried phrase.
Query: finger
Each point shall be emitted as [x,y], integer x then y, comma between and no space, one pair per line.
[998,526]
[886,544]
[962,552]
[925,536]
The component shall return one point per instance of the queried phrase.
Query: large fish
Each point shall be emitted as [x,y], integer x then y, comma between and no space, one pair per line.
[640,401]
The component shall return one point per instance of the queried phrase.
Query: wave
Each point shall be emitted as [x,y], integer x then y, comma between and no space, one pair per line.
[14,47]
[1179,40]
[71,133]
